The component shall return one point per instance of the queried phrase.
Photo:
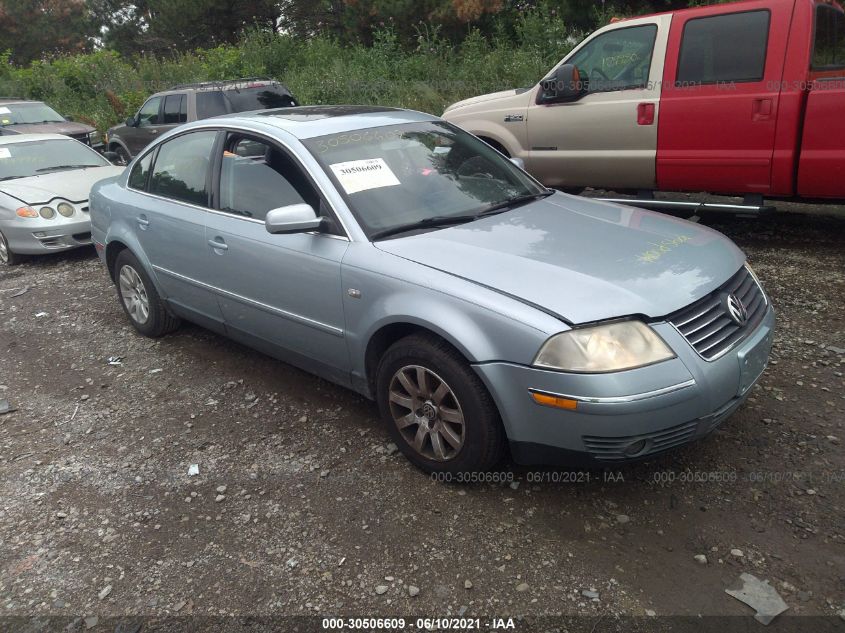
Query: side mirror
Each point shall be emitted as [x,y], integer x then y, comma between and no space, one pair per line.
[564,85]
[112,157]
[67,117]
[131,122]
[518,162]
[294,218]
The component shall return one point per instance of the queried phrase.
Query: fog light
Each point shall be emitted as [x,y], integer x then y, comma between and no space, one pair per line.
[65,209]
[557,402]
[636,448]
[40,234]
[47,213]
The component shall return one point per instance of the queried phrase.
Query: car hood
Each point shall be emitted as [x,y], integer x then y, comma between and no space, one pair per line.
[493,96]
[69,128]
[581,259]
[72,185]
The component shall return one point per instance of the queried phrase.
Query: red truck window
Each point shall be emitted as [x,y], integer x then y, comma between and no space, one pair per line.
[724,48]
[829,48]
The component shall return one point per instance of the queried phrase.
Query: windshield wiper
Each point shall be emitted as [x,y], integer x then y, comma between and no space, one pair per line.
[62,167]
[10,178]
[449,220]
[425,223]
[513,202]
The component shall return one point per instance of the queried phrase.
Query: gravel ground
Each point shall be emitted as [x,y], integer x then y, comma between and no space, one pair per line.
[302,507]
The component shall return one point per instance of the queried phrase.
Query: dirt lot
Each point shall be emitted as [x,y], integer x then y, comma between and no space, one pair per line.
[302,507]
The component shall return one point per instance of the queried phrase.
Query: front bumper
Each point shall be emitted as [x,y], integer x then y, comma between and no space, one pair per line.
[630,415]
[35,236]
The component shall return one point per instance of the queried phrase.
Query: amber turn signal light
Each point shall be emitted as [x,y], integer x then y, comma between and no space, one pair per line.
[554,401]
[27,212]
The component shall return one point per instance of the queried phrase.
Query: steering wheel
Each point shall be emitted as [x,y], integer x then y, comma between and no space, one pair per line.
[474,168]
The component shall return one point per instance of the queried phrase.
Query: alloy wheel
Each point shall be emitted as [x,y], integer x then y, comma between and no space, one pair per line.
[134,294]
[427,413]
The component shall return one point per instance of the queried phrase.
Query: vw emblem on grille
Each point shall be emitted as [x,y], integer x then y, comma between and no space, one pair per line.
[736,309]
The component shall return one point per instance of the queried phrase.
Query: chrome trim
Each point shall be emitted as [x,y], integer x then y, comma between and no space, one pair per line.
[740,341]
[233,128]
[330,329]
[636,397]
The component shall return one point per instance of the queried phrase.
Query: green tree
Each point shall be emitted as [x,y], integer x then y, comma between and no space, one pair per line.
[32,29]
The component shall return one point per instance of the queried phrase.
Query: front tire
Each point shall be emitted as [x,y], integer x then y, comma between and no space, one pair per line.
[139,298]
[7,257]
[437,410]
[123,156]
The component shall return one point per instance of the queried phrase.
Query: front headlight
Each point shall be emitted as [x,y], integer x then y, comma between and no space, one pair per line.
[65,209]
[93,137]
[603,348]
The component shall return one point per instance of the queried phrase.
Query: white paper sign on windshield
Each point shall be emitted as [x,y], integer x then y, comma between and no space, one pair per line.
[361,175]
[5,153]
[5,110]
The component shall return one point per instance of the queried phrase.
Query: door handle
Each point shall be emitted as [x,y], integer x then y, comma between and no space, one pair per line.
[218,244]
[645,114]
[761,110]
[143,222]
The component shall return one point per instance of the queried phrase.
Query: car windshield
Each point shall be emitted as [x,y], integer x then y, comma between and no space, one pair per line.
[18,113]
[399,178]
[251,97]
[33,158]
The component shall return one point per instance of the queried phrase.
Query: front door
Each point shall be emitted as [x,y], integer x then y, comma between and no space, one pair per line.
[280,293]
[721,95]
[607,137]
[146,127]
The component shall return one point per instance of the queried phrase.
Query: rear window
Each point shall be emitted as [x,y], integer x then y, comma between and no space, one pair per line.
[829,49]
[724,48]
[263,97]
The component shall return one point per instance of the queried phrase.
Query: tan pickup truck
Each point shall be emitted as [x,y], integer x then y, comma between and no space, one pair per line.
[742,99]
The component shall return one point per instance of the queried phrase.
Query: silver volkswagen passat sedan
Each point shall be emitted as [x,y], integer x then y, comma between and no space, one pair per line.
[45,180]
[394,254]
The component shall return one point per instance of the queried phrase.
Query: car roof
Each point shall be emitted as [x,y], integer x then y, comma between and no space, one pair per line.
[306,122]
[23,138]
[16,101]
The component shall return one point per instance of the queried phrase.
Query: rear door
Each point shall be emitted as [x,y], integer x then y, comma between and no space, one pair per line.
[170,222]
[821,171]
[721,89]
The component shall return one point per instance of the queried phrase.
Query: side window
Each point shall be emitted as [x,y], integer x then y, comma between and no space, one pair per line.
[617,60]
[256,177]
[148,114]
[210,103]
[181,168]
[829,47]
[173,107]
[724,48]
[140,172]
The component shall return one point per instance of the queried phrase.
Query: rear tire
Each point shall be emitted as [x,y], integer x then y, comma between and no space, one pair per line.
[8,257]
[139,298]
[437,410]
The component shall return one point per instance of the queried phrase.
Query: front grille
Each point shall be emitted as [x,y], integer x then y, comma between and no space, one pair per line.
[610,449]
[707,325]
[82,138]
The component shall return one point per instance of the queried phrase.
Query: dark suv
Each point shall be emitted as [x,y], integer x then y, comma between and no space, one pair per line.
[21,116]
[190,102]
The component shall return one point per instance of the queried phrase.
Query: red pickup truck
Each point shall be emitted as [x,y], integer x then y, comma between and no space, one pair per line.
[746,98]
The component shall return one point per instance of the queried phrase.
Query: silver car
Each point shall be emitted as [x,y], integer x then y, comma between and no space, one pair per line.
[45,180]
[396,255]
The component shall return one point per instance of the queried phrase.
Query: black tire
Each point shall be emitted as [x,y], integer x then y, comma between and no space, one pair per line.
[157,321]
[123,156]
[8,257]
[483,435]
